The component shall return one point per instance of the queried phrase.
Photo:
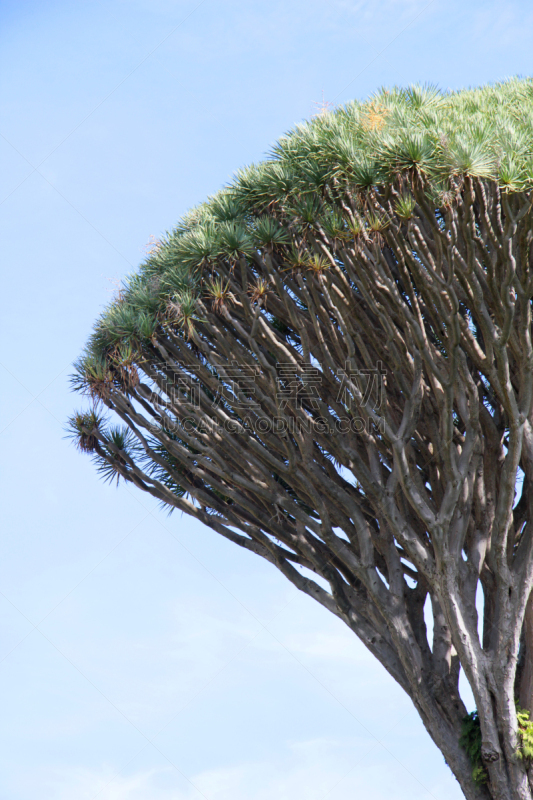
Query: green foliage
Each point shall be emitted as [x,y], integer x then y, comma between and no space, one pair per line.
[333,226]
[525,733]
[376,223]
[410,149]
[89,429]
[470,153]
[82,428]
[235,240]
[225,207]
[197,247]
[164,467]
[356,228]
[268,231]
[471,741]
[296,258]
[512,173]
[219,292]
[405,206]
[184,311]
[425,97]
[119,442]
[306,208]
[298,192]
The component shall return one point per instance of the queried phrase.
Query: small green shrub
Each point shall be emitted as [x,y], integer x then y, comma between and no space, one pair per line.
[471,741]
[525,732]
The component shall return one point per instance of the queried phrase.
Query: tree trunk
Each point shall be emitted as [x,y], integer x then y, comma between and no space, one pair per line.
[526,677]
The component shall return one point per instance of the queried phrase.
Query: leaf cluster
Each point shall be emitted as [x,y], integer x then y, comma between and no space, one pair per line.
[471,741]
[525,733]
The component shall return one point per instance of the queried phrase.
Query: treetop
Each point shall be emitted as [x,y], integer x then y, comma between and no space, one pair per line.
[360,148]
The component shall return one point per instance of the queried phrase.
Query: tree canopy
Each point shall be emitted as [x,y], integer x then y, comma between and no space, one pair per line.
[329,362]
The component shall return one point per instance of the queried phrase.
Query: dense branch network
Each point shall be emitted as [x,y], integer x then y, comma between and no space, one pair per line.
[330,364]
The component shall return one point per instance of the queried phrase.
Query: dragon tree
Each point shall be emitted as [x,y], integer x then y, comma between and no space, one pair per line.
[330,364]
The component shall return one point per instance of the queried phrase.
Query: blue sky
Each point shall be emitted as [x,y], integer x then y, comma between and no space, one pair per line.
[141,657]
